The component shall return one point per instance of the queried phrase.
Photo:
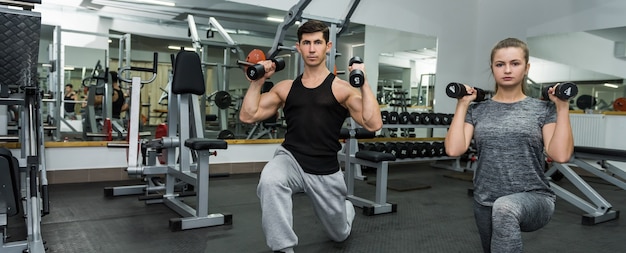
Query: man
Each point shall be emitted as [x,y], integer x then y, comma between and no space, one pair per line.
[118,100]
[315,106]
[70,95]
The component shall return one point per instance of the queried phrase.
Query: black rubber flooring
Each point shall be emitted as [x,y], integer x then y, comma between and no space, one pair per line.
[433,219]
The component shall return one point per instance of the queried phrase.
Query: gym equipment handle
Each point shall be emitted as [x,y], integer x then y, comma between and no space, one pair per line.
[457,90]
[357,77]
[153,70]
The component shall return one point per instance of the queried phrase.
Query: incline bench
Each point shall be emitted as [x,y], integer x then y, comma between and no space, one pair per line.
[599,209]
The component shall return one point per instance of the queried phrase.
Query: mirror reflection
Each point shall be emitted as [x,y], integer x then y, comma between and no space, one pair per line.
[407,70]
[594,60]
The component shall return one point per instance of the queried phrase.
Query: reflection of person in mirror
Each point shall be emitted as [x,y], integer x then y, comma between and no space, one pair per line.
[314,105]
[119,104]
[513,134]
[118,98]
[69,95]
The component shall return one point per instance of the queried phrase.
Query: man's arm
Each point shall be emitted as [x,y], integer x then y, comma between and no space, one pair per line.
[363,105]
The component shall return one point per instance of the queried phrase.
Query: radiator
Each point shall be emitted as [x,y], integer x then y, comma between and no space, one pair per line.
[588,129]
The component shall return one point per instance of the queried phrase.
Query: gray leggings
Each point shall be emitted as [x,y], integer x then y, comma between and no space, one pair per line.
[280,179]
[500,226]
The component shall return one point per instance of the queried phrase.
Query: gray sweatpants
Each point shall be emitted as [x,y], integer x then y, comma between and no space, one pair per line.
[500,226]
[280,179]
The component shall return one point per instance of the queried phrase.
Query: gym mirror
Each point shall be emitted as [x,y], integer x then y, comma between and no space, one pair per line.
[594,60]
[406,74]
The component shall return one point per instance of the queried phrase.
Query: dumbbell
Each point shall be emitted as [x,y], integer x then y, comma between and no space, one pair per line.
[457,90]
[256,71]
[447,119]
[414,118]
[563,91]
[437,118]
[403,150]
[357,78]
[412,149]
[394,118]
[391,148]
[404,118]
[385,116]
[422,149]
[427,118]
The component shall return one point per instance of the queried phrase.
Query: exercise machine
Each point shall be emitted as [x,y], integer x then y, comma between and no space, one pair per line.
[23,176]
[185,152]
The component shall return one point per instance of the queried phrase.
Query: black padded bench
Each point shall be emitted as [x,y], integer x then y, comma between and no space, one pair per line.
[598,209]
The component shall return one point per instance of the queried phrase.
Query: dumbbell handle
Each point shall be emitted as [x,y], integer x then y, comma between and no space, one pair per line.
[458,90]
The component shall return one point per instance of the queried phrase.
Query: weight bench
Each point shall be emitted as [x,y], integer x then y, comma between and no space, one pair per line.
[198,217]
[598,209]
[352,157]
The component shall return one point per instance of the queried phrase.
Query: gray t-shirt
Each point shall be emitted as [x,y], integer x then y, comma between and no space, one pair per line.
[509,143]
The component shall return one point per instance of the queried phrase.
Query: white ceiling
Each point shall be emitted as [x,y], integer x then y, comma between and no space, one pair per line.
[231,15]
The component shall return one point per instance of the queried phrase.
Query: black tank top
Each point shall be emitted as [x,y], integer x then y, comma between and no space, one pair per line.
[314,119]
[69,107]
[116,107]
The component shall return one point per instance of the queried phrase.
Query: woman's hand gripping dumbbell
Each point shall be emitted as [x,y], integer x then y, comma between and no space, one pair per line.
[458,90]
[563,91]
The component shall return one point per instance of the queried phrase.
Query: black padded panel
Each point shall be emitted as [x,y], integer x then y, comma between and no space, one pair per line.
[600,153]
[374,156]
[188,77]
[19,49]
[205,144]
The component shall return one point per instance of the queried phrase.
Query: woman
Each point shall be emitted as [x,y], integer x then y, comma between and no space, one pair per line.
[513,133]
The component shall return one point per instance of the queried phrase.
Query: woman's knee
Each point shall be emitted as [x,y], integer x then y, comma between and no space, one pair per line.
[505,208]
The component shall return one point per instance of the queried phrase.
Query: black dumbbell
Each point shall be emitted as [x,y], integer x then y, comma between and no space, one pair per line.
[404,118]
[447,119]
[380,147]
[403,150]
[392,148]
[369,146]
[385,116]
[427,118]
[394,117]
[357,78]
[422,149]
[563,91]
[457,90]
[412,149]
[414,118]
[437,118]
[256,71]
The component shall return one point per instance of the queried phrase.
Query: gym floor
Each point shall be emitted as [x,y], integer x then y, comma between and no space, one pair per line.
[437,218]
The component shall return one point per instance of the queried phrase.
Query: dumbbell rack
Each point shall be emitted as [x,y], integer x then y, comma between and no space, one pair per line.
[353,171]
[456,167]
